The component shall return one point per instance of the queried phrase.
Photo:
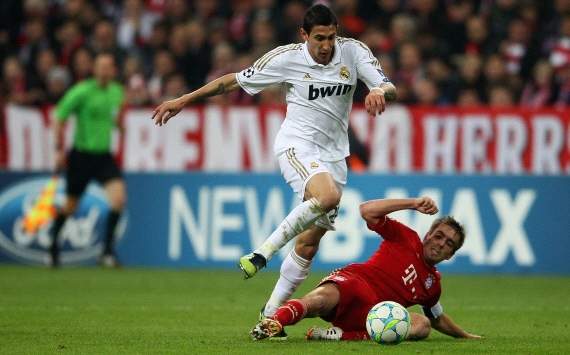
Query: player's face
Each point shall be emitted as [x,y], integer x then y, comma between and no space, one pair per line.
[320,42]
[440,244]
[104,69]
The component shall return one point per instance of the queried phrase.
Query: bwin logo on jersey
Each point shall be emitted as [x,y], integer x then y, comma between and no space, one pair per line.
[81,237]
[336,90]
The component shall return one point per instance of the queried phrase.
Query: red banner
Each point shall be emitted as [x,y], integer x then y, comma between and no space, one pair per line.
[401,140]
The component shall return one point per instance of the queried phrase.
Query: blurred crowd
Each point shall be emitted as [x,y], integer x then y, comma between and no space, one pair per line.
[437,52]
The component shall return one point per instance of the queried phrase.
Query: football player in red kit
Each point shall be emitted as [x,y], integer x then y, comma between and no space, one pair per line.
[401,270]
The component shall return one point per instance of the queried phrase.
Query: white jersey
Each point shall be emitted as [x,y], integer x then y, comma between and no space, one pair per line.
[319,97]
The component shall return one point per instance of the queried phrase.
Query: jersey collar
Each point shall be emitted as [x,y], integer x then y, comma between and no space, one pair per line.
[334,60]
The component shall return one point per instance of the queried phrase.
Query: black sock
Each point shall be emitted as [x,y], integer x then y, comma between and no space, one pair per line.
[55,230]
[112,221]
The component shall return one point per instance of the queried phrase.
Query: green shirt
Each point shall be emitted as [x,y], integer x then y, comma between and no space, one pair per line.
[96,110]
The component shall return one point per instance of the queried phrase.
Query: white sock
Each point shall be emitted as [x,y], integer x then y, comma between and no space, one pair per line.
[296,222]
[294,271]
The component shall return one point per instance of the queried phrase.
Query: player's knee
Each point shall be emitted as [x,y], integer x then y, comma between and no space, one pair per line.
[330,200]
[306,251]
[118,203]
[117,200]
[421,327]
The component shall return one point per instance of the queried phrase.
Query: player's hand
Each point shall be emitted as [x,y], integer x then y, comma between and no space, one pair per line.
[59,160]
[473,336]
[426,205]
[375,102]
[166,110]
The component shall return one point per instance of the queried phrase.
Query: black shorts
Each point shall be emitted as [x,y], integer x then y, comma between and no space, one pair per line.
[83,167]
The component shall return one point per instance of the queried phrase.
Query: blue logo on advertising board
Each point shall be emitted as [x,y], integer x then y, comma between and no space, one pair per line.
[80,238]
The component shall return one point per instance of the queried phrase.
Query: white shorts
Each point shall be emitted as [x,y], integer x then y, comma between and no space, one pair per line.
[299,165]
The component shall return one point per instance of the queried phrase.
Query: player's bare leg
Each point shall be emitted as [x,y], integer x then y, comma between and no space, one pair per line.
[419,330]
[318,302]
[420,327]
[321,196]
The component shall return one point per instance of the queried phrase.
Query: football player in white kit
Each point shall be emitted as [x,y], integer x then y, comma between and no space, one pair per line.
[320,77]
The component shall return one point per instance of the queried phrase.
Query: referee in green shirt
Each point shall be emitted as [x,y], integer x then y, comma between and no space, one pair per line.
[95,103]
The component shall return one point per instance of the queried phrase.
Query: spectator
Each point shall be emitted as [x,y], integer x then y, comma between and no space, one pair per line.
[81,64]
[452,41]
[540,90]
[45,62]
[478,41]
[135,25]
[136,93]
[515,47]
[222,63]
[495,71]
[176,12]
[157,41]
[174,86]
[164,66]
[35,39]
[440,72]
[469,98]
[500,96]
[199,55]
[104,41]
[409,70]
[470,74]
[263,38]
[351,23]
[15,85]
[58,80]
[426,93]
[69,39]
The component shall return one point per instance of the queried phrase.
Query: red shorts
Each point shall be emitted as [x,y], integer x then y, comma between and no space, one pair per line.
[356,299]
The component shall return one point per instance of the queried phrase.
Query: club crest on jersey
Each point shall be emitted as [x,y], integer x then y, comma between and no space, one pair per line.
[429,281]
[336,90]
[344,73]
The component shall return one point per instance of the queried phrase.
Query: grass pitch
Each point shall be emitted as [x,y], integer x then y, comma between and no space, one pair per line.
[143,311]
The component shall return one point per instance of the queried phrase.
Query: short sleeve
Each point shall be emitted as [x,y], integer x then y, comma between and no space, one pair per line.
[434,311]
[390,229]
[368,67]
[266,71]
[69,103]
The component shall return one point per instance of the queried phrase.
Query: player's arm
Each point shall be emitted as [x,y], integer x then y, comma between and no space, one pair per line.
[371,73]
[446,325]
[170,108]
[65,108]
[374,210]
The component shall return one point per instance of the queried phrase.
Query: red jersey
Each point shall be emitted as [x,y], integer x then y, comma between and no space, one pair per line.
[397,271]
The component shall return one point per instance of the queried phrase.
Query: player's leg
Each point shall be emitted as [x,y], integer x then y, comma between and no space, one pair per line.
[311,180]
[109,175]
[320,301]
[321,197]
[77,175]
[420,327]
[115,190]
[419,330]
[68,208]
[294,269]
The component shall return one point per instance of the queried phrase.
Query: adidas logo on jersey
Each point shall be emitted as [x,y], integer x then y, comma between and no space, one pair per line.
[307,76]
[341,89]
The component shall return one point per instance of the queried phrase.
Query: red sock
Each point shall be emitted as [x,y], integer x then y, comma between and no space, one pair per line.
[355,335]
[291,312]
